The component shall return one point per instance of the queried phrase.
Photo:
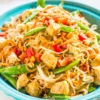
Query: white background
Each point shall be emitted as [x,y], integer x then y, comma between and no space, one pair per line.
[8,4]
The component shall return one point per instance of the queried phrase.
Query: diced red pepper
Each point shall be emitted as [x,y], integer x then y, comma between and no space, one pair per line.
[38,57]
[56,18]
[81,37]
[3,34]
[29,53]
[16,51]
[58,63]
[46,18]
[67,60]
[47,22]
[56,48]
[61,20]
[63,46]
[64,21]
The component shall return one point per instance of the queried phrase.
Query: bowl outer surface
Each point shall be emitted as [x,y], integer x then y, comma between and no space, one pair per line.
[92,14]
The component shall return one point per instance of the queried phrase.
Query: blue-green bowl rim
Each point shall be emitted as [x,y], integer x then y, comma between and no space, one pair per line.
[20,96]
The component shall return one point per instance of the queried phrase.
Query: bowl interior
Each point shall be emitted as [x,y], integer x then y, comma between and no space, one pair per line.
[93,16]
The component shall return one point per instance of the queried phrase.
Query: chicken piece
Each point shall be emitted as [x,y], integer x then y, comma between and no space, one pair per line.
[96,61]
[33,89]
[49,59]
[73,50]
[22,81]
[12,58]
[88,79]
[15,36]
[96,71]
[60,88]
[53,29]
[72,35]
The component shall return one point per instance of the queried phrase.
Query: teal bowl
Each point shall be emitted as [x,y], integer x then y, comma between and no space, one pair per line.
[93,16]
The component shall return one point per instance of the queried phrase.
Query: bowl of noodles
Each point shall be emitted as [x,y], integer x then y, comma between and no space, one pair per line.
[50,50]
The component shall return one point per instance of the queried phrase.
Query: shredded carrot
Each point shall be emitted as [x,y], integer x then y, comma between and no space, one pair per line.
[4,64]
[22,56]
[3,28]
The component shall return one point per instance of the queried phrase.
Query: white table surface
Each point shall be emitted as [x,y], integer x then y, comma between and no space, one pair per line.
[5,5]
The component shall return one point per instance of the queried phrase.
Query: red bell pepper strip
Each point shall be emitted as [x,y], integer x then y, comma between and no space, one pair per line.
[81,37]
[60,20]
[29,53]
[3,34]
[56,48]
[67,60]
[16,51]
[38,57]
[58,63]
[46,21]
[56,19]
[64,21]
